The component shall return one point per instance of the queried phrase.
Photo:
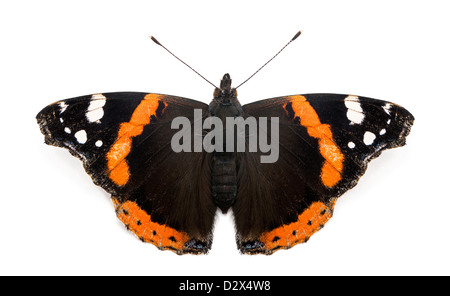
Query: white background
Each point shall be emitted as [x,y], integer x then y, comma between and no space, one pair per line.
[54,221]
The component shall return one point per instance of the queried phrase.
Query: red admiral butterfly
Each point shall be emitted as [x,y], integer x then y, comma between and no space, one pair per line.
[170,198]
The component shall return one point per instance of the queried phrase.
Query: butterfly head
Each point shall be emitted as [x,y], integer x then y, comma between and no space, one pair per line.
[225,93]
[225,102]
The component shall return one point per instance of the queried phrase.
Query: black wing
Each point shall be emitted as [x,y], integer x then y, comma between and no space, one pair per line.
[123,140]
[325,144]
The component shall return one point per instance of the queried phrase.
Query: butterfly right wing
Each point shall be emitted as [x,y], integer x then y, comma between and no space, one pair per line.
[124,142]
[325,144]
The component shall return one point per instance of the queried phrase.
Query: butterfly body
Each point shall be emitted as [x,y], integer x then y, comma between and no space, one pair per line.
[169,196]
[225,104]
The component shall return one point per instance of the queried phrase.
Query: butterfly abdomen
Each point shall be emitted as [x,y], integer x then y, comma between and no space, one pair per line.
[224,182]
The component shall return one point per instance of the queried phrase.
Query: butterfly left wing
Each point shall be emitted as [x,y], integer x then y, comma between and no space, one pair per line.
[124,142]
[325,144]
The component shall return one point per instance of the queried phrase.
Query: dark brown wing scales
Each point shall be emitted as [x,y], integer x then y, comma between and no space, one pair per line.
[326,142]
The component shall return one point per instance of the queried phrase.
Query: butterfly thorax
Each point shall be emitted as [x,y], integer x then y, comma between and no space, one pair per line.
[225,104]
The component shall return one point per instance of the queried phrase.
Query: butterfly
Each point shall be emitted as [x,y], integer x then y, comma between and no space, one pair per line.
[167,183]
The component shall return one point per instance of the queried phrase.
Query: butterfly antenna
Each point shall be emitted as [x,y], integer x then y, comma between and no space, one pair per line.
[157,42]
[293,38]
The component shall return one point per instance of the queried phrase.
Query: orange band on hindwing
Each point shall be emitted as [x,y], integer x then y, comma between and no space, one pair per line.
[119,171]
[309,222]
[140,223]
[334,159]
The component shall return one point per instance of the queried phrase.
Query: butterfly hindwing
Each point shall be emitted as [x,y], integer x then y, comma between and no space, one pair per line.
[326,142]
[123,140]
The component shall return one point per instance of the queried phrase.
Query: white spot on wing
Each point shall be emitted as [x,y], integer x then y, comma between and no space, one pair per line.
[383,131]
[99,143]
[67,130]
[62,107]
[81,136]
[369,137]
[387,108]
[351,145]
[95,110]
[354,113]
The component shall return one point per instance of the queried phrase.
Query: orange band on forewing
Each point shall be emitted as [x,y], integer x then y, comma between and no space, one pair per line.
[308,222]
[302,109]
[117,165]
[334,159]
[141,224]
